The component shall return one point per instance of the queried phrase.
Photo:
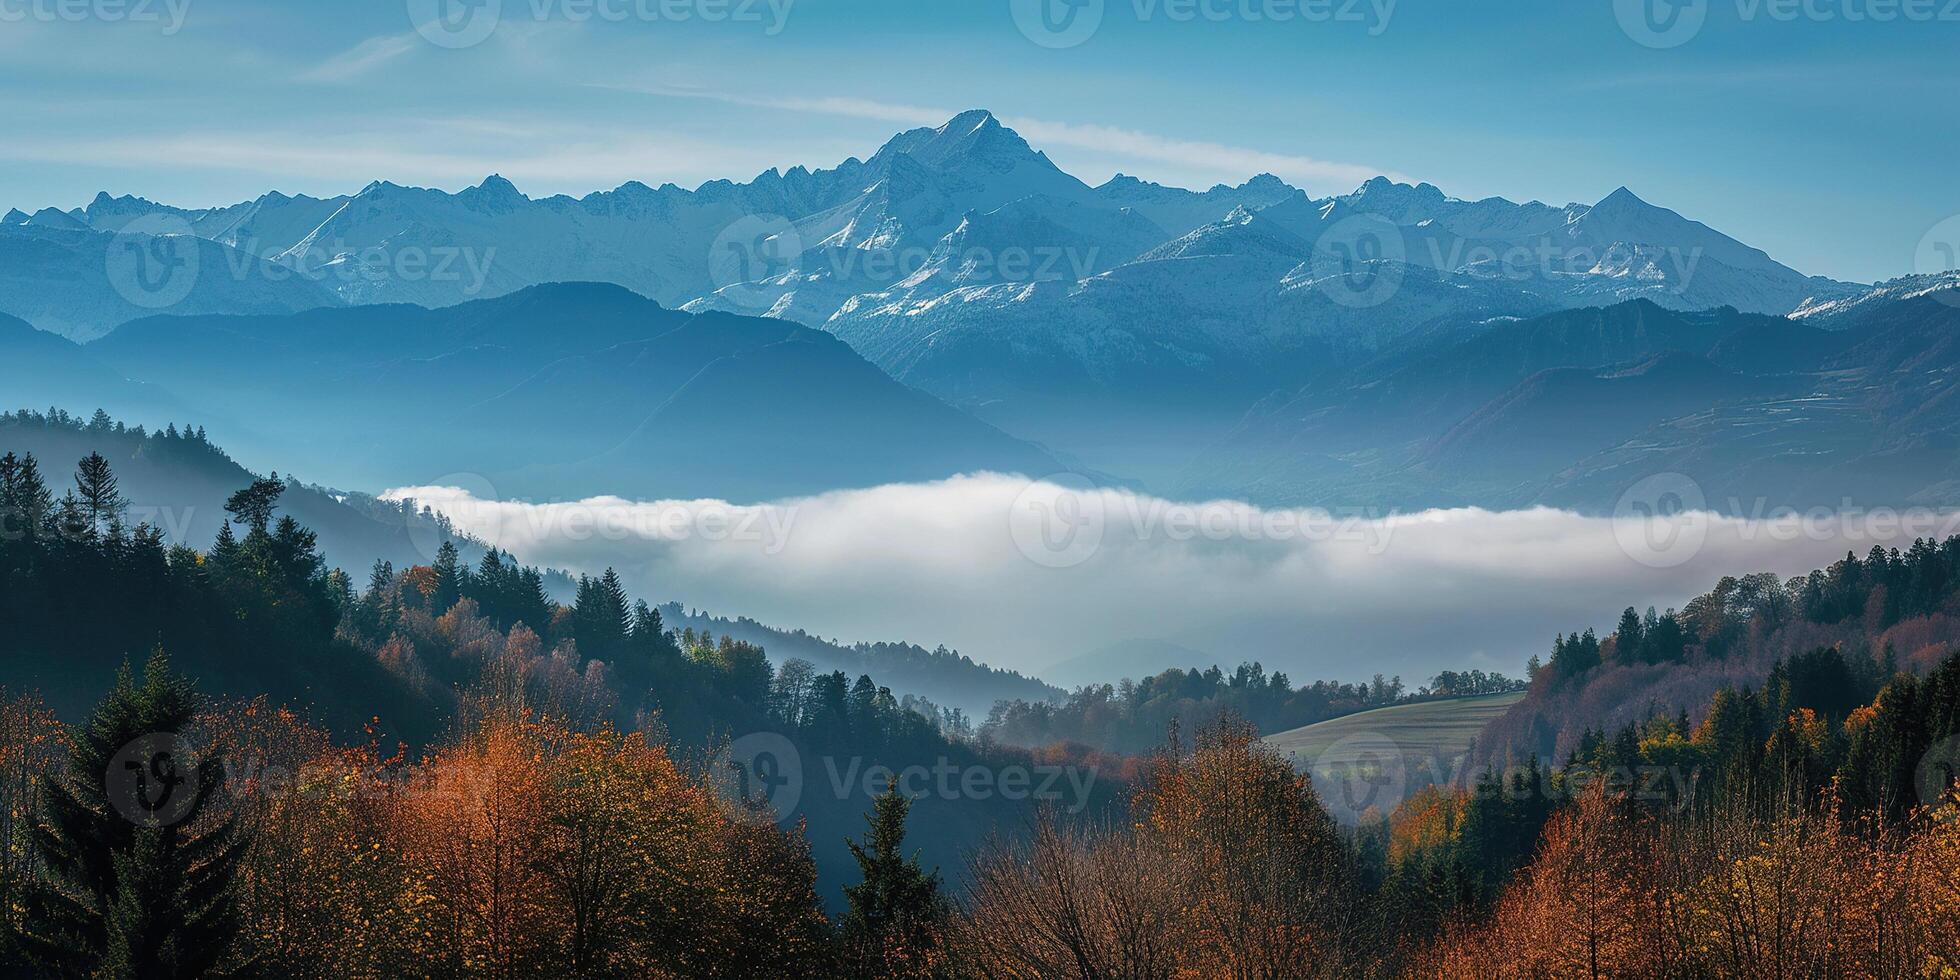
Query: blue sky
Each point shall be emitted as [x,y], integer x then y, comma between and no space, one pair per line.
[1827,141]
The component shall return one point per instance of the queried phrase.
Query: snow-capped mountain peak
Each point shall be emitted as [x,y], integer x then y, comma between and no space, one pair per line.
[1622,218]
[1400,203]
[971,139]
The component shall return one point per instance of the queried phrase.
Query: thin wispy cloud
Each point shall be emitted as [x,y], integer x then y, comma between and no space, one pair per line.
[362,58]
[548,160]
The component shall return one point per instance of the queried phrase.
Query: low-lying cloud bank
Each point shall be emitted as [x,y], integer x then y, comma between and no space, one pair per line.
[1024,573]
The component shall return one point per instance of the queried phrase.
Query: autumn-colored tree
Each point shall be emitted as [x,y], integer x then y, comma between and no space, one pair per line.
[619,853]
[469,824]
[1231,868]
[1264,864]
[1577,911]
[1072,902]
[31,744]
[766,919]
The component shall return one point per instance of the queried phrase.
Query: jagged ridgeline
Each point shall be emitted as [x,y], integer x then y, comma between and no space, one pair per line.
[1201,342]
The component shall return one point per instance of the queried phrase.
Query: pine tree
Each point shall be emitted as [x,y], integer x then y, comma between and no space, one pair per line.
[894,923]
[136,861]
[1627,639]
[224,551]
[651,643]
[601,618]
[449,580]
[24,499]
[101,496]
[379,608]
[533,606]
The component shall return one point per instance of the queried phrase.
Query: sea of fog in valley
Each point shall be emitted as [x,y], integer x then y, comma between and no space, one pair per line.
[1026,574]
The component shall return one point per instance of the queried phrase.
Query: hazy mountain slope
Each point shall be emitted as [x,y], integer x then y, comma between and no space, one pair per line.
[1132,659]
[796,416]
[80,283]
[1876,425]
[1423,389]
[556,390]
[39,369]
[1546,410]
[1558,415]
[1774,345]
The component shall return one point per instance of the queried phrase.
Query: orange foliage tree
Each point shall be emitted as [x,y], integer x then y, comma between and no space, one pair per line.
[1231,868]
[522,847]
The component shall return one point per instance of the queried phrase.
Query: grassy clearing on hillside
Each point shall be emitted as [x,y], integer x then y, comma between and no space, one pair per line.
[1349,756]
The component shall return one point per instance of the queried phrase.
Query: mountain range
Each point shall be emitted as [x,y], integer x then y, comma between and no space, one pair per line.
[938,195]
[1390,345]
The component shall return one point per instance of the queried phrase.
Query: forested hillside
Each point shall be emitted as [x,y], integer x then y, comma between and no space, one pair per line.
[1892,610]
[395,655]
[177,480]
[941,676]
[588,744]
